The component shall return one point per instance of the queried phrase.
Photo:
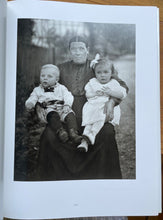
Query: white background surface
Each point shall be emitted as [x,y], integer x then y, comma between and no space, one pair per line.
[2,78]
[63,199]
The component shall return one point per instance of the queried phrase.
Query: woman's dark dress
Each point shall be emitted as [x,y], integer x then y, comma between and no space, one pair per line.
[58,161]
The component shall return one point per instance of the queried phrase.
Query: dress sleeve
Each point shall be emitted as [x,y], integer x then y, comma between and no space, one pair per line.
[121,82]
[115,86]
[32,99]
[67,96]
[89,91]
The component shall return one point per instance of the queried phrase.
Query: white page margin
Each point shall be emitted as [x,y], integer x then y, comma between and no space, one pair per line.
[71,202]
[3,11]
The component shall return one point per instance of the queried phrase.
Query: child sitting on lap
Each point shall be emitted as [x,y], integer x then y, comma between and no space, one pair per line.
[98,92]
[56,102]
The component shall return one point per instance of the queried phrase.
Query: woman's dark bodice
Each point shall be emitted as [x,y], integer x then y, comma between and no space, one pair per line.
[75,76]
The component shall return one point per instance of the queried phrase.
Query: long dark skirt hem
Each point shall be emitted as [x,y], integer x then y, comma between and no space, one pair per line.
[58,161]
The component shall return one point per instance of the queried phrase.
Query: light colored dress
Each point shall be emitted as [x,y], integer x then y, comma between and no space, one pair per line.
[93,110]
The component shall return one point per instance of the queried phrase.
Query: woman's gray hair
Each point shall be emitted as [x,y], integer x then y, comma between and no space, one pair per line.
[78,39]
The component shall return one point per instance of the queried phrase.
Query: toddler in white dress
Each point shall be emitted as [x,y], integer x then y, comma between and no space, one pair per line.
[98,91]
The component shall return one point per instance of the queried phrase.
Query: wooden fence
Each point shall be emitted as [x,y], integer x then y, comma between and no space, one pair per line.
[30,58]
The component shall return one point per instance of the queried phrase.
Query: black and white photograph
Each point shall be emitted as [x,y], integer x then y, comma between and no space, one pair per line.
[75,101]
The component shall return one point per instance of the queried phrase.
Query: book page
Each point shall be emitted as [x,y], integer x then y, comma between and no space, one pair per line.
[2,94]
[45,173]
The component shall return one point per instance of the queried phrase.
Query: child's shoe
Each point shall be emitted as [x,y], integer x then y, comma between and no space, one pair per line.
[63,135]
[83,147]
[74,136]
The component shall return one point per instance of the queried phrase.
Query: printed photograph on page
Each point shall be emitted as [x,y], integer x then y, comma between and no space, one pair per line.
[75,101]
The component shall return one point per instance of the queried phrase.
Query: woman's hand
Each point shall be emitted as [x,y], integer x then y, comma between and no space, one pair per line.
[109,110]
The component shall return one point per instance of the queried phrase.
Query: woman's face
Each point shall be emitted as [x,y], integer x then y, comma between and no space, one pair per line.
[79,52]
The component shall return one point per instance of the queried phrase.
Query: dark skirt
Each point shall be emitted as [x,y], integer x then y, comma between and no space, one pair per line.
[58,161]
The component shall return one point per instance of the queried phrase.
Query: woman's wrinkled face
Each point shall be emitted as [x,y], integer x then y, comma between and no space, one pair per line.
[103,73]
[79,52]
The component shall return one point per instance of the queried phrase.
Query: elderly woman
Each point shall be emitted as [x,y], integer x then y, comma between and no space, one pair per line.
[62,161]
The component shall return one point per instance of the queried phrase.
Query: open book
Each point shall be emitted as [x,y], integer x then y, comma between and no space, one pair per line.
[103,71]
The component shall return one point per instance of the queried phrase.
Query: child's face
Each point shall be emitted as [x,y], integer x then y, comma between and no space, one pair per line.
[48,77]
[103,73]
